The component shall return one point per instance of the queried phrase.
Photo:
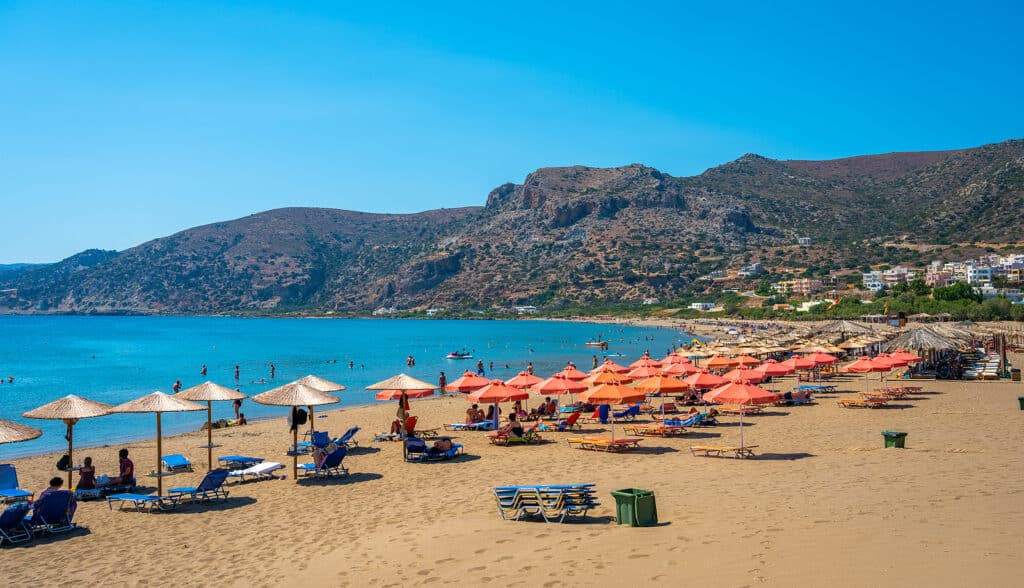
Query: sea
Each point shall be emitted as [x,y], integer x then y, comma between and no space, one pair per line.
[116,359]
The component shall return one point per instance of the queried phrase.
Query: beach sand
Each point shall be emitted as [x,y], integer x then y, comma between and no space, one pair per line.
[823,503]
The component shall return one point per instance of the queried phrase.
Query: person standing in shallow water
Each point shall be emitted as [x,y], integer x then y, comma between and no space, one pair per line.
[236,372]
[202,371]
[238,407]
[272,370]
[442,381]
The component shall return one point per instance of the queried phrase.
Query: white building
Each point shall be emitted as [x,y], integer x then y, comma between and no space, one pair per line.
[702,306]
[873,281]
[525,309]
[804,241]
[979,274]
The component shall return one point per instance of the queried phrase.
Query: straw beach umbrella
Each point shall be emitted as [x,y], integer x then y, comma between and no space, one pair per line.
[69,409]
[322,385]
[295,395]
[401,382]
[12,432]
[158,402]
[209,392]
[396,394]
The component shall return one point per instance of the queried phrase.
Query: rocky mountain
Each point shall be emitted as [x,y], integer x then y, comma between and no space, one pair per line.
[565,235]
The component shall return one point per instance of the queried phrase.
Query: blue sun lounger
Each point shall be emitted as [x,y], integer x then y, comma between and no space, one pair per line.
[142,502]
[415,449]
[13,528]
[332,466]
[238,462]
[9,491]
[480,426]
[348,438]
[320,439]
[176,463]
[211,487]
[53,513]
[630,413]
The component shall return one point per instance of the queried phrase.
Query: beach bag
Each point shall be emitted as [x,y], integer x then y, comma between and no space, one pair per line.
[64,463]
[301,416]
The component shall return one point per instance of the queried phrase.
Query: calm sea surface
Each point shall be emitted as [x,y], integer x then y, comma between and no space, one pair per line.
[115,359]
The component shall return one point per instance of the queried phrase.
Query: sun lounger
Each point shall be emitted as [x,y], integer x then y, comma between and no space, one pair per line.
[9,491]
[142,502]
[741,409]
[176,463]
[348,439]
[13,527]
[320,439]
[629,414]
[863,402]
[260,471]
[481,426]
[605,443]
[719,451]
[53,513]
[211,487]
[238,461]
[551,503]
[530,436]
[656,430]
[565,424]
[331,467]
[416,449]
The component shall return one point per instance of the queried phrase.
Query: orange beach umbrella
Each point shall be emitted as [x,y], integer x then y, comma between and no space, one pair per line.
[743,393]
[744,374]
[572,373]
[497,391]
[468,382]
[612,394]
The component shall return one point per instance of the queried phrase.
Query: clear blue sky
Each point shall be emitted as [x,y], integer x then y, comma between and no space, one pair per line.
[124,122]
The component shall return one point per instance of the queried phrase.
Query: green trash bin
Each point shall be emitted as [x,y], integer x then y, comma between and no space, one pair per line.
[1020,400]
[635,507]
[895,439]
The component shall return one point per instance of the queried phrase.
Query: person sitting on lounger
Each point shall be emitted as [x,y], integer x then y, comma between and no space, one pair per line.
[474,414]
[514,428]
[441,445]
[398,425]
[56,485]
[517,408]
[86,476]
[542,409]
[126,467]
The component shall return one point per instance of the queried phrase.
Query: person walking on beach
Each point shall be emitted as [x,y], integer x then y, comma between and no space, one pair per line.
[442,381]
[238,408]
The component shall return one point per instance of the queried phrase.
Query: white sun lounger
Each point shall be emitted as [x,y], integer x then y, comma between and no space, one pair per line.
[260,471]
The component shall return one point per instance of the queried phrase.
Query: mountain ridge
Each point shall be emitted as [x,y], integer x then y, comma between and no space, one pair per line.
[565,235]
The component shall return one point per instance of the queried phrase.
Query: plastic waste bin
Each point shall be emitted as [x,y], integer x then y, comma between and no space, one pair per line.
[895,439]
[1020,400]
[1014,374]
[635,507]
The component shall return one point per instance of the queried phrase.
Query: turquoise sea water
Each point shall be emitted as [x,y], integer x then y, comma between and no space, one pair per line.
[115,359]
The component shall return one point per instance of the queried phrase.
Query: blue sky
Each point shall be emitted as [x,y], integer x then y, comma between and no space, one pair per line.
[124,122]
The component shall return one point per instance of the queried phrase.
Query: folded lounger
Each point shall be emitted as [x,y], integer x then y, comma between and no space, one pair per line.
[238,462]
[53,513]
[13,528]
[415,449]
[142,501]
[211,487]
[629,414]
[348,439]
[553,503]
[9,491]
[176,463]
[260,471]
[331,466]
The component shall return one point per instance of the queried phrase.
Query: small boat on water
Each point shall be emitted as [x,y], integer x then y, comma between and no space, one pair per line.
[459,355]
[600,344]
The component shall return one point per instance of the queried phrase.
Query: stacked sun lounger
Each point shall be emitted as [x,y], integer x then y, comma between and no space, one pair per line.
[552,503]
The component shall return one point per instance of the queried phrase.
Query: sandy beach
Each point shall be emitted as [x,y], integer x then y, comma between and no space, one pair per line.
[823,502]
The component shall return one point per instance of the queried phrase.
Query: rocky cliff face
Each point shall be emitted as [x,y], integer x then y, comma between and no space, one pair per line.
[571,234]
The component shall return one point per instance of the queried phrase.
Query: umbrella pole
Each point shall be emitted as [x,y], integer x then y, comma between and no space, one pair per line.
[159,458]
[741,428]
[209,435]
[312,426]
[295,454]
[71,445]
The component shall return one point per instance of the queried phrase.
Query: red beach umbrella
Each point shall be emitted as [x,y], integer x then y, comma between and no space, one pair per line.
[746,360]
[572,373]
[645,361]
[524,380]
[396,394]
[610,366]
[820,358]
[674,358]
[719,362]
[772,368]
[612,394]
[467,383]
[557,384]
[799,363]
[704,380]
[639,373]
[680,369]
[660,385]
[495,392]
[744,374]
[865,365]
[905,356]
[743,393]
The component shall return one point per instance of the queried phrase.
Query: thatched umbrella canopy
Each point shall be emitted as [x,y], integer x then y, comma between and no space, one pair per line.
[320,384]
[844,327]
[158,402]
[12,432]
[923,339]
[69,409]
[210,392]
[293,395]
[401,382]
